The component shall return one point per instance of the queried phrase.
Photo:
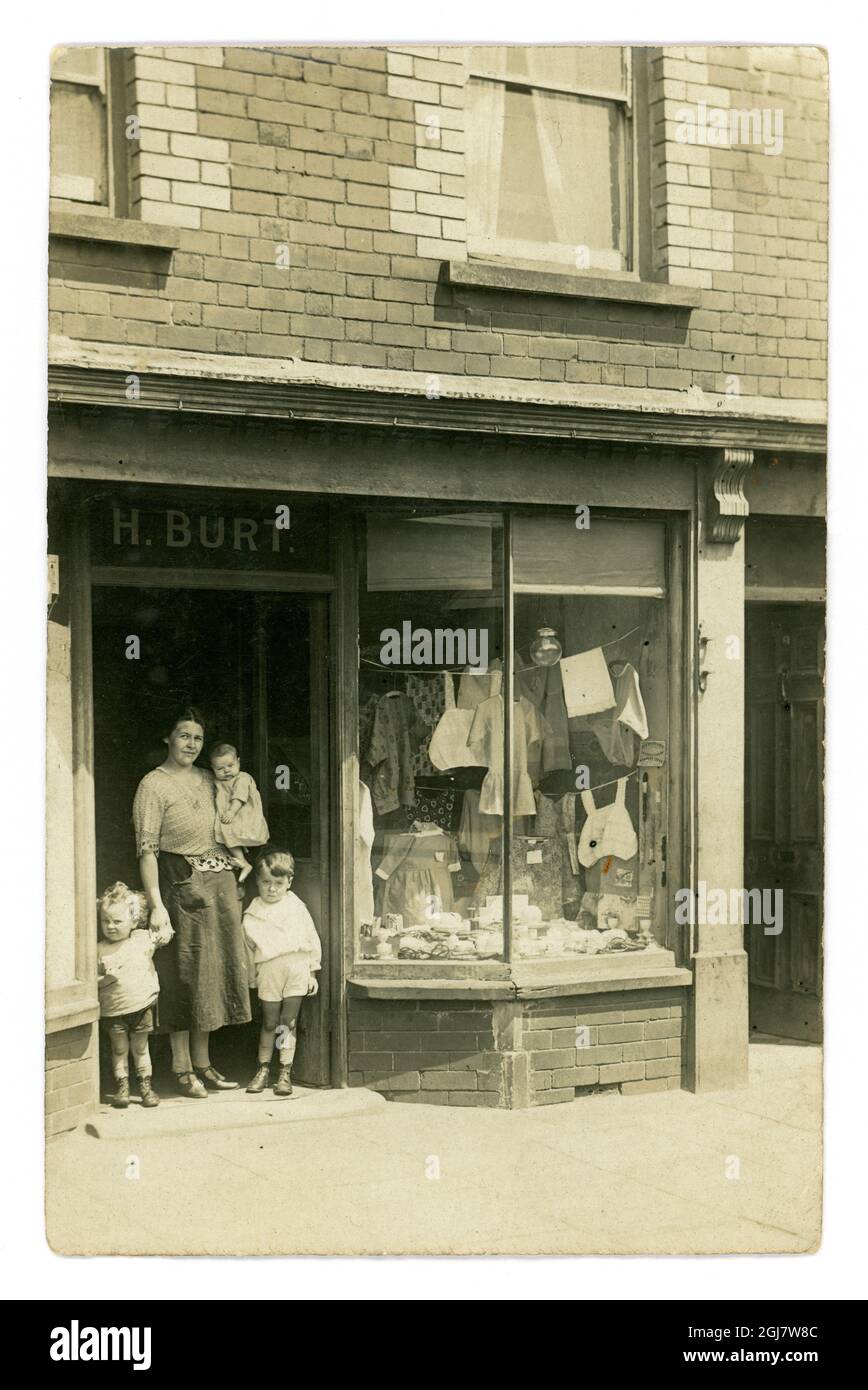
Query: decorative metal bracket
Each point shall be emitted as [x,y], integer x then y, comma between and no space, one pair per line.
[729,507]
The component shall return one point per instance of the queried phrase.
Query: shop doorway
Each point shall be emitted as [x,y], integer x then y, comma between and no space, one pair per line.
[256,664]
[784,813]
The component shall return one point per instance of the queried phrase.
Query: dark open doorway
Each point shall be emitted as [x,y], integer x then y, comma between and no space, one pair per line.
[255,664]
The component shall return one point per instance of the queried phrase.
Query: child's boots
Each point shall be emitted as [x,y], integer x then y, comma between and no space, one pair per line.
[259,1080]
[147,1092]
[283,1085]
[121,1098]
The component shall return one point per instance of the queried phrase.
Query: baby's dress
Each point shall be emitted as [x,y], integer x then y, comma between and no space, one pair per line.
[248,827]
[418,869]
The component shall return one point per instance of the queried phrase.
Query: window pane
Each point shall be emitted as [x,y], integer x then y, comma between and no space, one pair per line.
[591,710]
[547,177]
[428,879]
[562,172]
[78,143]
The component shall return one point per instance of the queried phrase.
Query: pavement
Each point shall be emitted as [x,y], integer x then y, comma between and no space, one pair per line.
[346,1172]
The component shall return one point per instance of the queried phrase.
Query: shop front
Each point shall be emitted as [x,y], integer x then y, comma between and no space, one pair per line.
[470,677]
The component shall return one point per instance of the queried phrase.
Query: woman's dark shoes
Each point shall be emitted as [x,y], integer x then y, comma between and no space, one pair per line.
[121,1098]
[259,1080]
[190,1085]
[283,1085]
[147,1092]
[214,1080]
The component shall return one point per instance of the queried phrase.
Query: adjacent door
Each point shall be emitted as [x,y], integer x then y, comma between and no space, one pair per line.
[784,813]
[256,665]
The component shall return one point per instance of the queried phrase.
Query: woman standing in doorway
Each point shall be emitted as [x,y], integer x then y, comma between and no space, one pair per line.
[189,883]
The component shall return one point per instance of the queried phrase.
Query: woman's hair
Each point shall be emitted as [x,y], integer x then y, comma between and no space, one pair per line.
[121,893]
[219,750]
[279,863]
[185,714]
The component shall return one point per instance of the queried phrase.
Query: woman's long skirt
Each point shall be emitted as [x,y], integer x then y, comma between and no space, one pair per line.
[203,969]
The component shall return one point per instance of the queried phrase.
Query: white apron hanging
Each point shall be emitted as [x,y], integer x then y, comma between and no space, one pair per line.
[607,830]
[448,747]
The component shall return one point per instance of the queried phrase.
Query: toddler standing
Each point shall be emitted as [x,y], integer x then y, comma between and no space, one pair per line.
[239,820]
[286,952]
[128,986]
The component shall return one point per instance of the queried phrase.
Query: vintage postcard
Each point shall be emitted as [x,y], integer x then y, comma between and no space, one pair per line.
[436,639]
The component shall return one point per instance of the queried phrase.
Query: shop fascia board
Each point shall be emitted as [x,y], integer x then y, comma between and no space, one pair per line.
[97,374]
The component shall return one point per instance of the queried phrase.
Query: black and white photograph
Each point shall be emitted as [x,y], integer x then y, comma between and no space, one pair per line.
[435,664]
[435,593]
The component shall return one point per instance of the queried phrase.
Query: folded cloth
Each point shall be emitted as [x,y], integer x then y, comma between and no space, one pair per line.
[587,683]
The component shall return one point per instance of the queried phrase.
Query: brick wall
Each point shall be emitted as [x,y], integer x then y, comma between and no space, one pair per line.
[633,1041]
[318,192]
[439,1053]
[71,1077]
[499,1055]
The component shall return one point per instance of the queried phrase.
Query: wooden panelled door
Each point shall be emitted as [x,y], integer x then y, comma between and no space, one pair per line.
[784,813]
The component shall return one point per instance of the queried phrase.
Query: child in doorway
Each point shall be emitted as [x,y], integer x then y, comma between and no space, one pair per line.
[286,953]
[128,986]
[239,821]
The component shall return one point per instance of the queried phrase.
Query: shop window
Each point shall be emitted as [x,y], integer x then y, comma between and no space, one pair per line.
[589,738]
[537,831]
[549,160]
[431,654]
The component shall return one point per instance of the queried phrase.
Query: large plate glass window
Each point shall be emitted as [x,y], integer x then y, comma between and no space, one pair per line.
[431,745]
[590,735]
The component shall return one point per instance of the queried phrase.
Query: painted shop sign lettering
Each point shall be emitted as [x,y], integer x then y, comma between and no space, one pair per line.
[271,534]
[211,532]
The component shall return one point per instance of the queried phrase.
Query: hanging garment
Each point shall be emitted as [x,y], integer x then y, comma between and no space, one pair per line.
[437,804]
[544,687]
[608,830]
[537,872]
[427,696]
[417,870]
[616,729]
[363,878]
[449,747]
[486,739]
[587,683]
[556,816]
[390,753]
[477,831]
[473,689]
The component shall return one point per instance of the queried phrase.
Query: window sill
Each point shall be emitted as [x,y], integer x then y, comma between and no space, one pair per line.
[122,231]
[530,980]
[488,275]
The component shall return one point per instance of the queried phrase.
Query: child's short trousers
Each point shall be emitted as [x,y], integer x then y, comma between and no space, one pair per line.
[283,977]
[141,1021]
